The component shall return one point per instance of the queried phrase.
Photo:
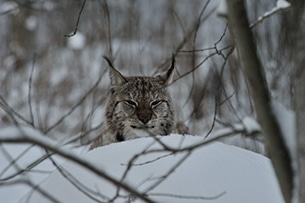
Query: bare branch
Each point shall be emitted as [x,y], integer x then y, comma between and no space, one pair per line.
[30,91]
[170,171]
[78,19]
[77,184]
[12,163]
[82,99]
[268,14]
[11,112]
[179,196]
[151,161]
[107,21]
[190,32]
[32,185]
[39,140]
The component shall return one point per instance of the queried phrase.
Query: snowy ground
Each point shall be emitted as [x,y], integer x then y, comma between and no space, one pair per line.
[211,173]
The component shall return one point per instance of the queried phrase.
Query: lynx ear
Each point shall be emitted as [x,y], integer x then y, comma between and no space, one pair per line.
[116,78]
[168,76]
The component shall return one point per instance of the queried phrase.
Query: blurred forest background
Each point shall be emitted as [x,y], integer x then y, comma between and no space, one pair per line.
[59,84]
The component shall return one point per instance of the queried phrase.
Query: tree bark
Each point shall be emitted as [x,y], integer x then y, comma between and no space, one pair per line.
[300,118]
[296,35]
[258,89]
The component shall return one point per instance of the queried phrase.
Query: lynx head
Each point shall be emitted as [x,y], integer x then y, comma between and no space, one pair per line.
[139,104]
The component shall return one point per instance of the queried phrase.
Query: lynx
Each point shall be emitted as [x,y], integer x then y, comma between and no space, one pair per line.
[138,107]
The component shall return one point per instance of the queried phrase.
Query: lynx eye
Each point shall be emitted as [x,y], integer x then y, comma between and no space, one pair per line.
[156,103]
[130,103]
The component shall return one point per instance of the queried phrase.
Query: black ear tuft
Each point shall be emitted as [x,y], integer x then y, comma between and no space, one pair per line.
[108,60]
[116,78]
[171,69]
[168,76]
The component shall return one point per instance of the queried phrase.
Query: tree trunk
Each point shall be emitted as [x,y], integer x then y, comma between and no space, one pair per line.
[258,89]
[297,37]
[300,118]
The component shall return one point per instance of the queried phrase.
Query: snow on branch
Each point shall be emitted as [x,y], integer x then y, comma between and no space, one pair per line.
[281,5]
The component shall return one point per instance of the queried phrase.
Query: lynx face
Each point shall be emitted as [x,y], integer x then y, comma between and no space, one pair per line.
[138,106]
[142,103]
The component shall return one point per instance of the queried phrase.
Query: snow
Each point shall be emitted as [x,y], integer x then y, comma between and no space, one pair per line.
[222,9]
[58,76]
[26,155]
[280,5]
[215,171]
[251,125]
[286,119]
[8,6]
[77,41]
[49,6]
[31,23]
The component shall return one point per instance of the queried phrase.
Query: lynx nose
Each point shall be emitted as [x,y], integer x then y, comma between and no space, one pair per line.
[144,117]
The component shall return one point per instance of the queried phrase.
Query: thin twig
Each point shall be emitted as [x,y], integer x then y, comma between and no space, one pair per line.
[268,15]
[188,35]
[75,106]
[76,183]
[151,161]
[169,172]
[179,196]
[193,54]
[219,84]
[12,161]
[129,166]
[77,22]
[214,119]
[108,33]
[35,187]
[11,112]
[197,50]
[30,91]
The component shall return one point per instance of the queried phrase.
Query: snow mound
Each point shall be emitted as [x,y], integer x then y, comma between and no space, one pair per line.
[215,172]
